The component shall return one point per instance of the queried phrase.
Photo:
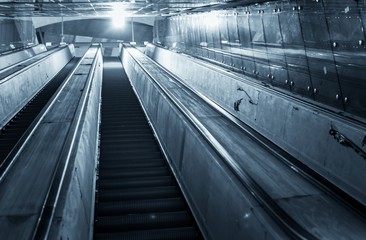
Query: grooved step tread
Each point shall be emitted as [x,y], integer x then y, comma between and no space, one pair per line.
[134,172]
[138,193]
[186,233]
[137,182]
[136,164]
[141,206]
[135,157]
[137,196]
[143,221]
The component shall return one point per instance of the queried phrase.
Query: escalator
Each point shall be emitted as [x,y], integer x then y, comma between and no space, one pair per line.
[137,196]
[17,126]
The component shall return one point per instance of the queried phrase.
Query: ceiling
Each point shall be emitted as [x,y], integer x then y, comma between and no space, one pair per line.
[100,8]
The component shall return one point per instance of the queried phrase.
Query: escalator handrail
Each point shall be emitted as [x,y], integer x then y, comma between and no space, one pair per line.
[12,75]
[53,195]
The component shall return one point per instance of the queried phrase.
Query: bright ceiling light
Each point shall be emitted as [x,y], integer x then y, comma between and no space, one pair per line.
[117,14]
[118,21]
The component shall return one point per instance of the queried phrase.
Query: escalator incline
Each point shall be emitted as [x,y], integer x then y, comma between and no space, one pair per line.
[137,196]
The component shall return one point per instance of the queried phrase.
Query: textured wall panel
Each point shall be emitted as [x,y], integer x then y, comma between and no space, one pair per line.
[315,49]
[298,128]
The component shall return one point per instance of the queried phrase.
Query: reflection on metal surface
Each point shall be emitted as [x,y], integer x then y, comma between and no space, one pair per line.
[99,8]
[315,50]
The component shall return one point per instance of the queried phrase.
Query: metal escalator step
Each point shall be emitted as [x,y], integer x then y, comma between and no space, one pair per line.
[136,164]
[143,221]
[125,115]
[140,206]
[122,125]
[136,156]
[11,130]
[187,233]
[129,110]
[145,130]
[151,144]
[128,140]
[127,151]
[127,136]
[138,193]
[135,146]
[4,142]
[134,172]
[123,111]
[111,122]
[156,181]
[137,196]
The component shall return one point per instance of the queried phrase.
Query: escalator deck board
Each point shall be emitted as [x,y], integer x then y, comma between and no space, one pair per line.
[137,196]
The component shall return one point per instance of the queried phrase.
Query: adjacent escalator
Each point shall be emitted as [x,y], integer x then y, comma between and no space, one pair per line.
[137,195]
[12,132]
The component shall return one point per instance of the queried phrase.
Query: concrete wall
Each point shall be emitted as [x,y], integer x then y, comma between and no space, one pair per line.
[74,213]
[297,127]
[221,205]
[17,89]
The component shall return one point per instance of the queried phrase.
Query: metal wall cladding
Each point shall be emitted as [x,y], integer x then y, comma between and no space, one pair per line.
[259,45]
[196,39]
[214,26]
[189,38]
[294,50]
[209,39]
[234,41]
[16,34]
[315,31]
[346,29]
[320,58]
[203,40]
[224,36]
[316,49]
[275,51]
[353,85]
[248,63]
